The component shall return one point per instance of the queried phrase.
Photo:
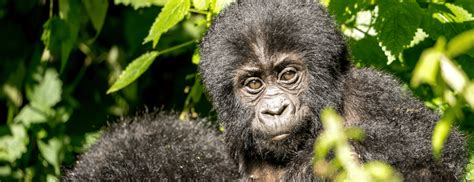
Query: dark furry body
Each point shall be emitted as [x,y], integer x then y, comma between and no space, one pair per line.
[155,147]
[397,125]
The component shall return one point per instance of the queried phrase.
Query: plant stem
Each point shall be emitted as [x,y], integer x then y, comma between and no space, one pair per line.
[171,49]
[198,11]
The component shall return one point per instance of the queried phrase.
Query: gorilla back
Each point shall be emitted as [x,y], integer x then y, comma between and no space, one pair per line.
[155,147]
[271,66]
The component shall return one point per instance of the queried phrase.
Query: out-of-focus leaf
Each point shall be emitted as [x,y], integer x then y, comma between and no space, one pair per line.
[469,94]
[171,14]
[441,133]
[29,115]
[395,35]
[196,57]
[48,92]
[201,4]
[427,68]
[55,32]
[218,5]
[133,71]
[51,151]
[96,9]
[461,44]
[141,3]
[456,14]
[70,12]
[380,171]
[452,75]
[14,145]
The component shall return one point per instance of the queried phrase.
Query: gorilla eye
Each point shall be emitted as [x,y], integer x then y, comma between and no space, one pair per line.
[254,84]
[288,75]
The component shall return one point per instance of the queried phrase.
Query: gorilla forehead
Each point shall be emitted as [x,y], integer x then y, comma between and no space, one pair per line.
[249,30]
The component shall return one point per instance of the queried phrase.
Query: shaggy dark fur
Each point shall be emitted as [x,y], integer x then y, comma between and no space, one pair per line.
[155,147]
[398,126]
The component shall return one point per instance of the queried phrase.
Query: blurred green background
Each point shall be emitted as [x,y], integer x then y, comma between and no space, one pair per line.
[60,58]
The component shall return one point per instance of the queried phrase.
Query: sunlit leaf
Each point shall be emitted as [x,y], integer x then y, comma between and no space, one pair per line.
[218,5]
[427,68]
[440,134]
[380,171]
[196,57]
[461,44]
[201,4]
[96,10]
[141,3]
[136,68]
[172,13]
[48,92]
[469,94]
[29,115]
[453,75]
[456,14]
[51,151]
[12,146]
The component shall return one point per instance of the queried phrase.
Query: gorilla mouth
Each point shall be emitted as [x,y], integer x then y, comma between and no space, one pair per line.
[280,137]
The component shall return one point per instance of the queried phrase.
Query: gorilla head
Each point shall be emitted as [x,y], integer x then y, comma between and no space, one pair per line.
[270,67]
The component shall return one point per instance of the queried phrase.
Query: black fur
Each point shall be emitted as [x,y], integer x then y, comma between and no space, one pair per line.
[155,147]
[398,126]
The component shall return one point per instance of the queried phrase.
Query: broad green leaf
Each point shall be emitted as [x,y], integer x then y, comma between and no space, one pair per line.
[397,24]
[141,3]
[452,75]
[12,146]
[96,10]
[133,71]
[30,115]
[70,12]
[55,32]
[427,68]
[441,133]
[461,44]
[51,152]
[171,14]
[455,14]
[201,4]
[48,92]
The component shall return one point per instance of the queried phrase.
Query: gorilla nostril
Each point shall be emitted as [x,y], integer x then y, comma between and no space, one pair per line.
[275,111]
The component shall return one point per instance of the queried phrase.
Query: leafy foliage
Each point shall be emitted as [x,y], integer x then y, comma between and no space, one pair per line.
[60,57]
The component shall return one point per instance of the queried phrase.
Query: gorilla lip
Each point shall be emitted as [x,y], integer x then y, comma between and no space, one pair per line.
[280,137]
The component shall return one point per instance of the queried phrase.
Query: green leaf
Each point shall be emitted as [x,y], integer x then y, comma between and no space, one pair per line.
[12,146]
[54,33]
[427,68]
[51,152]
[173,12]
[453,75]
[441,133]
[48,92]
[70,12]
[30,115]
[133,71]
[201,4]
[96,10]
[141,3]
[218,5]
[461,44]
[196,57]
[453,14]
[395,35]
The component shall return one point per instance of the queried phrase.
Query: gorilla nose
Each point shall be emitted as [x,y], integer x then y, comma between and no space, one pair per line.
[275,109]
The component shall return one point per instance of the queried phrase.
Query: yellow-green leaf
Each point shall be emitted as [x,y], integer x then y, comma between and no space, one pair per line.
[96,9]
[440,134]
[427,68]
[461,44]
[201,4]
[171,14]
[133,71]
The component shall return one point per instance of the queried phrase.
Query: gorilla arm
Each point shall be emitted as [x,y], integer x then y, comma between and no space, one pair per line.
[399,128]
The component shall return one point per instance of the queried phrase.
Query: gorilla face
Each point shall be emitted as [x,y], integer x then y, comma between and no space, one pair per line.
[272,86]
[270,68]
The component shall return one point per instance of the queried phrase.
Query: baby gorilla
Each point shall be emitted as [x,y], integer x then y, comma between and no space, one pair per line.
[272,66]
[155,147]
